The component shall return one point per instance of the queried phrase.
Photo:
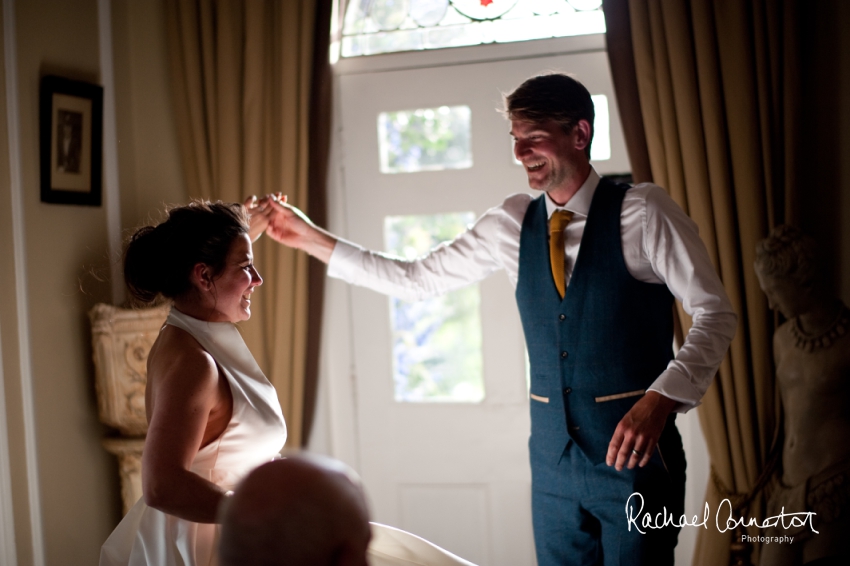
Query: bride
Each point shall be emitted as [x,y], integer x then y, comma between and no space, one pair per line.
[212,414]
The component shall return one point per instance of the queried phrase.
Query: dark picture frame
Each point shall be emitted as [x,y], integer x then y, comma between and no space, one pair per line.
[71,141]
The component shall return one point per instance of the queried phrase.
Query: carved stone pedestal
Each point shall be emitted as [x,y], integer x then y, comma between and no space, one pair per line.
[121,341]
[129,452]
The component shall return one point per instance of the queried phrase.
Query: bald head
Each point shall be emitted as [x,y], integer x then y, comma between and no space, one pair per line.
[302,510]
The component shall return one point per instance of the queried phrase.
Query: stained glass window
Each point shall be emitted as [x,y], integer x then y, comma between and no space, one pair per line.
[385,26]
[436,342]
[426,139]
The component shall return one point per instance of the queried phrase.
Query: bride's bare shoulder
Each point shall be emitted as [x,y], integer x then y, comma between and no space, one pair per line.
[176,353]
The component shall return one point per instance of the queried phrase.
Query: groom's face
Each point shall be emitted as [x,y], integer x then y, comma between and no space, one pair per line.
[548,154]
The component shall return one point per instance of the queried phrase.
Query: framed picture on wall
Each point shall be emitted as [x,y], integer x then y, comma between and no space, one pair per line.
[71,139]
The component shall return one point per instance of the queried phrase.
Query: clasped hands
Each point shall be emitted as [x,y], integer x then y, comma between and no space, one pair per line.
[287,225]
[271,214]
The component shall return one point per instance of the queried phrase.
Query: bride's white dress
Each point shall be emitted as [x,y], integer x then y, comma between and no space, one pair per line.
[255,435]
[394,547]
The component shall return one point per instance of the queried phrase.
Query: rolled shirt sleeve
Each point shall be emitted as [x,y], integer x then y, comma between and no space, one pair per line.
[470,257]
[679,258]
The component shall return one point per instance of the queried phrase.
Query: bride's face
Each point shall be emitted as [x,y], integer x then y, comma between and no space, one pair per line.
[232,288]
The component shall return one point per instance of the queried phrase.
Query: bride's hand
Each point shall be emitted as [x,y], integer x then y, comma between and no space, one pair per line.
[292,228]
[287,225]
[259,213]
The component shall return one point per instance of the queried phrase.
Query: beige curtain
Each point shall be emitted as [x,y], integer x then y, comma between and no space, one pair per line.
[716,82]
[243,78]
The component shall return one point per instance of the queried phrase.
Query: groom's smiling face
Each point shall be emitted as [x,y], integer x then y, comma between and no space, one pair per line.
[549,155]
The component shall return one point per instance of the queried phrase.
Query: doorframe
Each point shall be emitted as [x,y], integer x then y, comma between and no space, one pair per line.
[336,420]
[22,329]
[8,553]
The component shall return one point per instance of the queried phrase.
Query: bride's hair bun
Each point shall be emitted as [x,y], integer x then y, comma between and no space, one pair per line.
[159,259]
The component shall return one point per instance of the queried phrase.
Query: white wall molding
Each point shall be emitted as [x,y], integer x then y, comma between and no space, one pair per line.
[21,298]
[8,554]
[111,190]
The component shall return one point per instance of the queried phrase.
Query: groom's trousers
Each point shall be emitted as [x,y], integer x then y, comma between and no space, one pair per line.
[581,516]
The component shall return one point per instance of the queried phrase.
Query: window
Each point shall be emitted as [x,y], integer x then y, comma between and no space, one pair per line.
[385,26]
[600,149]
[436,345]
[427,139]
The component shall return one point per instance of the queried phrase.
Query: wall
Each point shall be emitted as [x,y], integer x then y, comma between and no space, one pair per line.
[65,269]
[149,159]
[14,521]
[62,243]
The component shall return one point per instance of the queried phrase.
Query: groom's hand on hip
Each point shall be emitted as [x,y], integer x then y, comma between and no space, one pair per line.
[638,432]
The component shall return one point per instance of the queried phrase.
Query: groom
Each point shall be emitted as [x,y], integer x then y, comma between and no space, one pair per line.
[596,267]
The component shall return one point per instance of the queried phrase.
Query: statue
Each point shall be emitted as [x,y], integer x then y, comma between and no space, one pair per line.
[812,357]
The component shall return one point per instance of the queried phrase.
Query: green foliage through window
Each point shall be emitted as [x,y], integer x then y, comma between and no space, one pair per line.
[425,139]
[386,26]
[436,342]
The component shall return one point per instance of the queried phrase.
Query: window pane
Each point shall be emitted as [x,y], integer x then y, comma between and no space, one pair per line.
[385,26]
[600,149]
[436,342]
[426,139]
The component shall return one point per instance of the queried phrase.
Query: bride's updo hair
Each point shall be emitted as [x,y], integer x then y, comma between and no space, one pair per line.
[159,259]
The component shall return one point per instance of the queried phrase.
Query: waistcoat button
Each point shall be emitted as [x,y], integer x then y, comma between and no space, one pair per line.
[562,317]
[568,390]
[564,355]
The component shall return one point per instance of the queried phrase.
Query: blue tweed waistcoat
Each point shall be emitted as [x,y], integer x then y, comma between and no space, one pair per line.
[610,335]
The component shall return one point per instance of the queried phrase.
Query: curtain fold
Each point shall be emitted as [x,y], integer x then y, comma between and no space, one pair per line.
[317,206]
[717,86]
[250,90]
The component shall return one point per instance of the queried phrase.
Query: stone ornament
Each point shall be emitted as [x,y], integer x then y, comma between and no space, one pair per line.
[827,337]
[129,453]
[811,352]
[121,340]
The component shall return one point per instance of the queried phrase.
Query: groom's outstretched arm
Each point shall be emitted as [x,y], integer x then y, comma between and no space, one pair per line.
[470,257]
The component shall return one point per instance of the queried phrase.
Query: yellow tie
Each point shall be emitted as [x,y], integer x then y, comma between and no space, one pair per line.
[557,223]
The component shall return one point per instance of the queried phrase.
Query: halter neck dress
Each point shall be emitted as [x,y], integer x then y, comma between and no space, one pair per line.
[255,435]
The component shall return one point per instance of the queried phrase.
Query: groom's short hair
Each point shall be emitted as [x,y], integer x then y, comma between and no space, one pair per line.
[552,96]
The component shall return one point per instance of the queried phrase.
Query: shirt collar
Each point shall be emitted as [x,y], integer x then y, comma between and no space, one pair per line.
[580,201]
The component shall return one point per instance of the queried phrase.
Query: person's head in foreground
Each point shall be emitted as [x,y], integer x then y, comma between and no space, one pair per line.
[200,258]
[788,271]
[303,510]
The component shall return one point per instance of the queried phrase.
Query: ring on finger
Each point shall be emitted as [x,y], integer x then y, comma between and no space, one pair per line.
[636,453]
